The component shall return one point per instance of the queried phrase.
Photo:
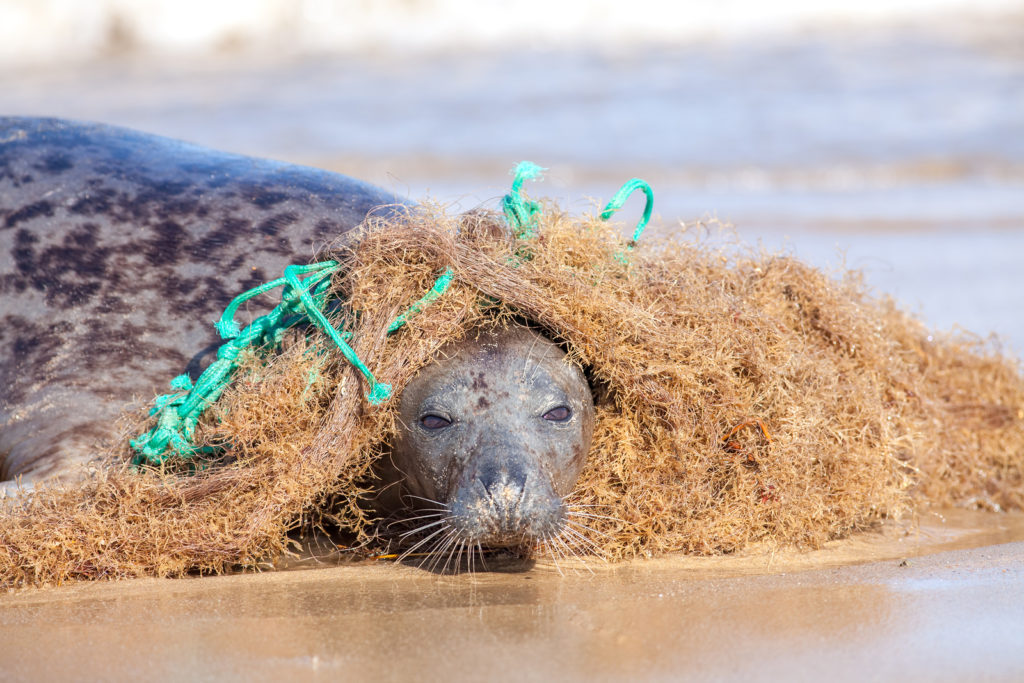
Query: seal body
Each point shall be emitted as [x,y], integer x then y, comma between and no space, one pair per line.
[118,250]
[492,440]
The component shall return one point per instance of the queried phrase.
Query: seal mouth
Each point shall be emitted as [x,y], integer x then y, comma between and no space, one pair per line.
[506,504]
[506,518]
[458,534]
[502,517]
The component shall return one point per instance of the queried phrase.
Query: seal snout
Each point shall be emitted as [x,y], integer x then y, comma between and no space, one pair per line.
[505,504]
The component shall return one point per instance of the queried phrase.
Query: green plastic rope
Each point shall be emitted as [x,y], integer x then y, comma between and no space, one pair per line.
[439,288]
[379,392]
[520,213]
[302,300]
[178,413]
[616,203]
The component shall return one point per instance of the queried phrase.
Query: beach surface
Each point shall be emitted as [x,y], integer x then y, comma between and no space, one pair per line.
[939,600]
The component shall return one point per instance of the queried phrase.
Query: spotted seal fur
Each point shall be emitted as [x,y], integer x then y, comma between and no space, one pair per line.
[117,251]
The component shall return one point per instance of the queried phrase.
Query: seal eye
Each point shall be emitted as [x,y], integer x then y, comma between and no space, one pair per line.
[434,422]
[559,414]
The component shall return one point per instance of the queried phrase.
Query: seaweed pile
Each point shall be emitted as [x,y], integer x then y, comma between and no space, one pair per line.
[742,397]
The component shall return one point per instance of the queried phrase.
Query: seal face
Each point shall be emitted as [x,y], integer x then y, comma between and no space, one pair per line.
[493,438]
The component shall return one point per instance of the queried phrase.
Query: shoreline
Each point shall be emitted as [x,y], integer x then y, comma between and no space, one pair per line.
[856,608]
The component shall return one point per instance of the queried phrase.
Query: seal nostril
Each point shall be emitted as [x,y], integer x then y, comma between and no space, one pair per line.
[502,475]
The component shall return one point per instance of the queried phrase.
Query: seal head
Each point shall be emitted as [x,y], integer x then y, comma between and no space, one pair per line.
[494,435]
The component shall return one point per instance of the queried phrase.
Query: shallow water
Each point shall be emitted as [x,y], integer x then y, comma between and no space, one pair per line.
[908,615]
[901,144]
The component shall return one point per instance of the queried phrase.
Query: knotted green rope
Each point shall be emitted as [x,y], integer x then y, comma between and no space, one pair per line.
[301,301]
[304,300]
[520,213]
[616,203]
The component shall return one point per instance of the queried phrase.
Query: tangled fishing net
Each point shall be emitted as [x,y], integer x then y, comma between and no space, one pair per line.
[741,397]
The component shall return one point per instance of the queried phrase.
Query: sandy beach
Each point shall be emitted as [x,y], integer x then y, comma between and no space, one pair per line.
[938,601]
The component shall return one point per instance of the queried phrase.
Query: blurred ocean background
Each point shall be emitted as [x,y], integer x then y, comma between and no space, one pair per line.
[888,136]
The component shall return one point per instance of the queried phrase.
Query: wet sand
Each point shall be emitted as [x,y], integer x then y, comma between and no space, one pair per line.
[937,601]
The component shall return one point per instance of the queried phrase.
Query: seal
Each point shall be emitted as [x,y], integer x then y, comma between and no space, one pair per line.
[492,440]
[117,251]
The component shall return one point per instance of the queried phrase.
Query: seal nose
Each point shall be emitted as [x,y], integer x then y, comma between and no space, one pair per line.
[504,483]
[503,475]
[505,501]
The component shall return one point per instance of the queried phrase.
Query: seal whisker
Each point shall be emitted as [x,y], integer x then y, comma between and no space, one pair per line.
[585,529]
[429,515]
[594,548]
[569,544]
[559,539]
[423,527]
[458,557]
[578,525]
[573,549]
[418,544]
[457,546]
[584,510]
[578,532]
[573,510]
[442,542]
[483,560]
[449,551]
[431,552]
[406,520]
[553,550]
[428,500]
[416,509]
[573,513]
[437,552]
[449,548]
[547,545]
[576,553]
[557,548]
